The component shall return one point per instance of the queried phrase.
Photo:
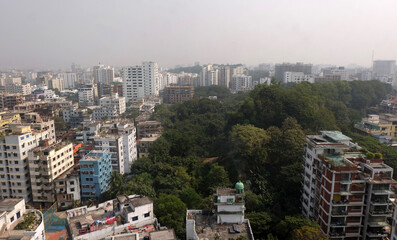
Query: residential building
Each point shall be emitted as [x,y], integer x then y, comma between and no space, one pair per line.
[8,117]
[227,222]
[103,74]
[95,173]
[144,145]
[110,107]
[280,69]
[74,117]
[88,132]
[16,143]
[67,189]
[56,83]
[297,77]
[23,89]
[8,101]
[47,162]
[140,81]
[327,78]
[388,106]
[224,76]
[241,83]
[13,217]
[148,129]
[384,67]
[375,125]
[87,94]
[119,140]
[209,76]
[132,213]
[69,79]
[178,94]
[343,190]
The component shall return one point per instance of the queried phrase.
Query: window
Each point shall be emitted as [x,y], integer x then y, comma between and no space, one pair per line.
[12,219]
[133,218]
[72,189]
[18,215]
[146,214]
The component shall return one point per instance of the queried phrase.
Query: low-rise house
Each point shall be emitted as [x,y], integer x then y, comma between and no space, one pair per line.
[17,222]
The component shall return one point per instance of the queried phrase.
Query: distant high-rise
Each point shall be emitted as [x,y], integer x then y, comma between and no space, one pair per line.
[103,74]
[209,76]
[140,81]
[69,79]
[384,67]
[224,76]
[280,69]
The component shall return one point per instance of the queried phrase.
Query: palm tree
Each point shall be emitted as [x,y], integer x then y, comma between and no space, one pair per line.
[117,185]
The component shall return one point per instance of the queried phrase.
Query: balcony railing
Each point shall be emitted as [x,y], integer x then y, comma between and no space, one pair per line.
[339,212]
[338,224]
[337,234]
[380,212]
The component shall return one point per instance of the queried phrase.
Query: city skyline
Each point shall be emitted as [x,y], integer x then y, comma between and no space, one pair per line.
[46,34]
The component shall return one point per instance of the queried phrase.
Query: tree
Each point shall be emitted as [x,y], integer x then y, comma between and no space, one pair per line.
[261,223]
[191,198]
[60,124]
[141,184]
[307,233]
[117,184]
[171,212]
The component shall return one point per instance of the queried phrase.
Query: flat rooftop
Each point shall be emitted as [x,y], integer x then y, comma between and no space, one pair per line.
[208,228]
[76,223]
[93,155]
[336,135]
[168,234]
[9,203]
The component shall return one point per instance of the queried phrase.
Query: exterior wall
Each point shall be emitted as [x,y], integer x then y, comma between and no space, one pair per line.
[113,145]
[46,164]
[16,182]
[95,174]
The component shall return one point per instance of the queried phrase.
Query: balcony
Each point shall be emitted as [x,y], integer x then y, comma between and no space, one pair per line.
[340,203]
[380,201]
[377,234]
[382,191]
[378,212]
[337,234]
[338,212]
[338,224]
[378,224]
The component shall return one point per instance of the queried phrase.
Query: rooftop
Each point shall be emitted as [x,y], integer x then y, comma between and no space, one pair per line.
[9,204]
[93,155]
[168,234]
[207,227]
[336,135]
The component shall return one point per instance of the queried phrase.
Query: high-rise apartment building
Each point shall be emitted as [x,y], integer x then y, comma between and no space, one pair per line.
[47,162]
[16,144]
[23,89]
[8,100]
[95,173]
[120,141]
[297,77]
[140,81]
[56,83]
[209,76]
[103,74]
[70,79]
[178,94]
[87,94]
[224,76]
[241,83]
[384,67]
[280,69]
[343,190]
[109,107]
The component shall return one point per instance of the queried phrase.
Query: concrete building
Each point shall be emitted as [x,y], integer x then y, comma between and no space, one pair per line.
[132,213]
[23,89]
[177,94]
[209,76]
[87,94]
[8,101]
[140,81]
[119,140]
[56,83]
[95,173]
[224,76]
[89,131]
[148,129]
[228,222]
[384,67]
[13,221]
[344,191]
[70,79]
[241,83]
[379,125]
[16,144]
[280,69]
[144,145]
[47,162]
[74,117]
[297,77]
[67,188]
[103,74]
[110,107]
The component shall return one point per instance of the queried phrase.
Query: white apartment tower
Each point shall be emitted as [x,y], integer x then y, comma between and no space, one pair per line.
[103,75]
[140,81]
[14,171]
[69,79]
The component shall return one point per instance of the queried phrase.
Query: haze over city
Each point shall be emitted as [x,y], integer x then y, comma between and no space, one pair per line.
[53,34]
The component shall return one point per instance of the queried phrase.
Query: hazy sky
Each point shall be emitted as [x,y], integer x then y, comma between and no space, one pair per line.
[55,33]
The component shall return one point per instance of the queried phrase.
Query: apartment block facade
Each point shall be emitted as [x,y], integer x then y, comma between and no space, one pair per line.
[47,162]
[15,146]
[95,173]
[345,192]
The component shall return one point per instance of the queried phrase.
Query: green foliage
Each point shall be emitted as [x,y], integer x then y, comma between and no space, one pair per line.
[220,91]
[60,125]
[261,223]
[378,156]
[370,155]
[286,227]
[192,199]
[307,233]
[171,211]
